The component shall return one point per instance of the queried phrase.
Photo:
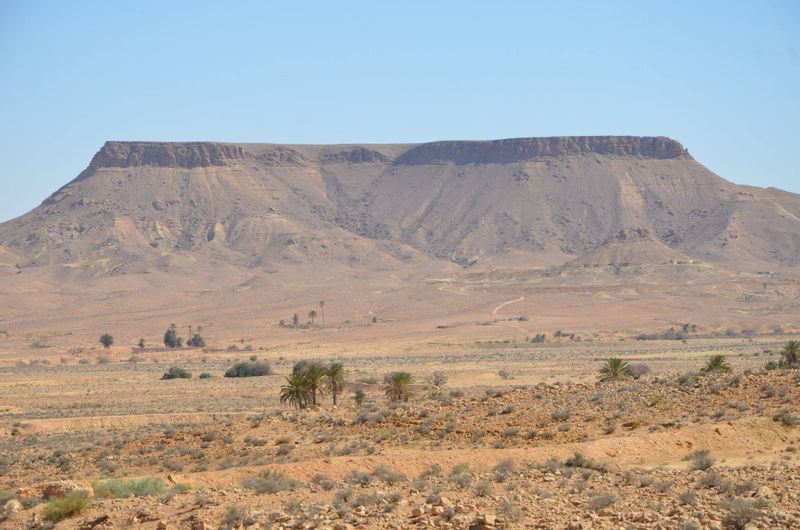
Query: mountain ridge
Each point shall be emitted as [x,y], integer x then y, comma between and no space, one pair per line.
[460,201]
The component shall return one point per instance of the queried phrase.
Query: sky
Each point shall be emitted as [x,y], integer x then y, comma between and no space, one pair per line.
[722,77]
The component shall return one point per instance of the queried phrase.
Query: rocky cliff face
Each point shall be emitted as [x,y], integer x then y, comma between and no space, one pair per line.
[140,204]
[519,149]
[185,155]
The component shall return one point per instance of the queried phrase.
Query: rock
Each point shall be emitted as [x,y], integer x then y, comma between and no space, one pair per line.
[361,511]
[418,511]
[342,526]
[437,510]
[10,508]
[162,525]
[89,525]
[764,492]
[63,488]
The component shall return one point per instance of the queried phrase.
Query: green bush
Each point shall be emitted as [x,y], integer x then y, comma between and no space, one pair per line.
[271,482]
[59,509]
[138,487]
[206,375]
[177,373]
[249,369]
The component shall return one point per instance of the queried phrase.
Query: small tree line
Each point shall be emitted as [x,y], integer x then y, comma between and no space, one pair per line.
[617,369]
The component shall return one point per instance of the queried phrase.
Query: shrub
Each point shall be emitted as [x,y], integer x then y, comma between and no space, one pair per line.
[271,482]
[615,369]
[249,369]
[741,512]
[504,469]
[438,379]
[237,517]
[120,488]
[398,388]
[717,364]
[196,341]
[59,509]
[510,511]
[771,365]
[638,370]
[206,375]
[177,373]
[701,460]
[505,374]
[387,475]
[600,501]
[359,396]
[106,340]
[484,488]
[786,418]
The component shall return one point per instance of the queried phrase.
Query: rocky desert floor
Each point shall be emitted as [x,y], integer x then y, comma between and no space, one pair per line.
[520,435]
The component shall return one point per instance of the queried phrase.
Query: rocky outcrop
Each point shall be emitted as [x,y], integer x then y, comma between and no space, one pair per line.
[161,154]
[517,149]
[359,155]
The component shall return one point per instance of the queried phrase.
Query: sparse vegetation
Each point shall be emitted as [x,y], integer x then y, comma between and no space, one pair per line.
[615,369]
[717,364]
[249,369]
[73,505]
[177,373]
[106,340]
[271,481]
[399,386]
[171,338]
[121,488]
[701,460]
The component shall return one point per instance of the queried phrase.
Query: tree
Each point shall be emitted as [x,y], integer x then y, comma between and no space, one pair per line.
[312,315]
[106,340]
[335,377]
[296,391]
[359,396]
[171,338]
[791,353]
[197,341]
[295,320]
[141,343]
[322,310]
[399,386]
[314,375]
[716,364]
[615,369]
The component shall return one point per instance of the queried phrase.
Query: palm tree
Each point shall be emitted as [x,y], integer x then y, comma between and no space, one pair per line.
[322,310]
[791,353]
[314,375]
[615,369]
[335,376]
[398,386]
[312,315]
[295,391]
[717,364]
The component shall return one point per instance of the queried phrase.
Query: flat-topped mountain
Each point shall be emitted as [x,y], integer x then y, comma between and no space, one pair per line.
[553,199]
[239,235]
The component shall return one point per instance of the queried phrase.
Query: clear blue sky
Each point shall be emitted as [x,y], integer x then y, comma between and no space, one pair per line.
[723,77]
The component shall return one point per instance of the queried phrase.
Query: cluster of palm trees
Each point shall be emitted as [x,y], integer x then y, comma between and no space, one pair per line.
[616,369]
[310,380]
